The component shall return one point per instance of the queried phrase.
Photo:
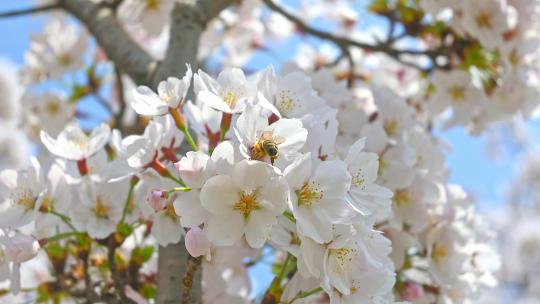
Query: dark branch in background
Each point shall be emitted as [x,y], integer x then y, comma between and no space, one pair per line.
[113,4]
[101,21]
[343,42]
[29,11]
[121,98]
[188,22]
[103,102]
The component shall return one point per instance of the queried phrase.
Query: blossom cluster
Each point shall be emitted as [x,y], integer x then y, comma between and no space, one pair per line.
[437,237]
[289,161]
[504,79]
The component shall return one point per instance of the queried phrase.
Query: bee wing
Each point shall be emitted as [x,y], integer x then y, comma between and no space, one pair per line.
[279,140]
[266,135]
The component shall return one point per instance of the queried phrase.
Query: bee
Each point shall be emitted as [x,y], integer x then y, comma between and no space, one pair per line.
[267,145]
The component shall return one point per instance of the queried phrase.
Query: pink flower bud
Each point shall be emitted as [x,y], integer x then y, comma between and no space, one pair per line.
[197,243]
[20,248]
[157,199]
[412,291]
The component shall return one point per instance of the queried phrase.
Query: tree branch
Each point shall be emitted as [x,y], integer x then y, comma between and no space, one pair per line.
[188,22]
[121,98]
[192,275]
[28,11]
[343,42]
[101,21]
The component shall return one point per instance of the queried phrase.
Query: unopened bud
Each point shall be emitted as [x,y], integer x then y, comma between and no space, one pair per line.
[157,199]
[197,243]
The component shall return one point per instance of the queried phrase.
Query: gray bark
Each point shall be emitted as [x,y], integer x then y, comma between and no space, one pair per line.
[102,22]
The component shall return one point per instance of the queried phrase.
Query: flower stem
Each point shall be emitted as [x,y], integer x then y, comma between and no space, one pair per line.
[176,189]
[283,271]
[173,178]
[190,139]
[181,124]
[305,294]
[64,219]
[64,236]
[132,185]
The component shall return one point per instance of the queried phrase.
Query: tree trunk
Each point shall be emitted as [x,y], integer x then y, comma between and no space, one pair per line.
[176,269]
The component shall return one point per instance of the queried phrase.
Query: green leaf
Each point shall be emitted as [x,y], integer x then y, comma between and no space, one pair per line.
[124,229]
[78,92]
[148,291]
[379,6]
[55,251]
[141,255]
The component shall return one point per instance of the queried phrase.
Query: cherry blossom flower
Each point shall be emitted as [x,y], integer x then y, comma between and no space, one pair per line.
[365,195]
[21,195]
[282,139]
[73,144]
[171,94]
[228,93]
[246,202]
[318,196]
[100,207]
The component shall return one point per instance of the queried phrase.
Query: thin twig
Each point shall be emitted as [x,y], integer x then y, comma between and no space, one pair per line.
[64,218]
[117,279]
[113,4]
[103,102]
[121,98]
[343,42]
[352,67]
[28,11]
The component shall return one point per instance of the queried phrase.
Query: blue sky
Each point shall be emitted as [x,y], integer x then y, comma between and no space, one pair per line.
[469,165]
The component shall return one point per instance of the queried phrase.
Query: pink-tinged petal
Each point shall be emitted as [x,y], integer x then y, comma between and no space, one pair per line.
[412,291]
[157,199]
[192,168]
[134,295]
[196,242]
